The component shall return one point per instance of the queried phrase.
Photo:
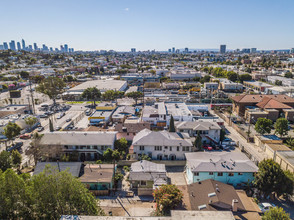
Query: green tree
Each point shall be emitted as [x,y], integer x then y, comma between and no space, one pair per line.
[198,142]
[52,87]
[34,148]
[111,155]
[121,145]
[16,158]
[245,77]
[172,124]
[11,130]
[144,157]
[206,78]
[5,161]
[24,74]
[281,127]
[135,95]
[263,125]
[288,75]
[92,94]
[272,179]
[222,134]
[276,213]
[167,197]
[15,196]
[30,121]
[232,76]
[47,195]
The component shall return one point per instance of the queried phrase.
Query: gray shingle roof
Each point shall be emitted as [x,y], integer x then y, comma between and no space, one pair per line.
[197,125]
[161,138]
[220,162]
[78,138]
[73,167]
[146,170]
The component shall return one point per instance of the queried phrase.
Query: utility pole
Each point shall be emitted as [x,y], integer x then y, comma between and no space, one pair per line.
[32,96]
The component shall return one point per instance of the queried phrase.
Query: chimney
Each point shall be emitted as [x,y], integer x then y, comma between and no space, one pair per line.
[234,205]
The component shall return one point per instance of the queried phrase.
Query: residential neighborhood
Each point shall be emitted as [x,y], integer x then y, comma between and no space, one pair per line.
[161,131]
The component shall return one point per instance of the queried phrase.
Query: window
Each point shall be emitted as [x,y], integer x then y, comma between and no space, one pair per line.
[220,174]
[196,174]
[231,174]
[158,148]
[165,147]
[210,173]
[240,174]
[178,148]
[143,183]
[170,148]
[185,148]
[141,147]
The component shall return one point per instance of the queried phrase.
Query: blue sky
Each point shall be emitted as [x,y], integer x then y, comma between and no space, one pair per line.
[150,24]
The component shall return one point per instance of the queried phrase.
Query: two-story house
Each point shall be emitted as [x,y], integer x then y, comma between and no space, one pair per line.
[161,145]
[87,145]
[233,168]
[209,131]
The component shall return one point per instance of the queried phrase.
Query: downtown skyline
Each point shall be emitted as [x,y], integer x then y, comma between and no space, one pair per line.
[122,25]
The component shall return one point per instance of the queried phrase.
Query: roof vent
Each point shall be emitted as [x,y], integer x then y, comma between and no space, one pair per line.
[211,194]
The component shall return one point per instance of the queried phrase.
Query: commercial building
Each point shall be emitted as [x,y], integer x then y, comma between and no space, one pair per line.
[222,48]
[233,168]
[103,85]
[229,86]
[284,81]
[256,85]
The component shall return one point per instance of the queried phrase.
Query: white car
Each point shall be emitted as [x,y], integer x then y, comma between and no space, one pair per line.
[265,206]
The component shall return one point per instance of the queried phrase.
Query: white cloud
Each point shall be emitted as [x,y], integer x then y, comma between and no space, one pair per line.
[126,9]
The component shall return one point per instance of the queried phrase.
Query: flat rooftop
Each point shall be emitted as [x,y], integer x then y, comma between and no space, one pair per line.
[102,85]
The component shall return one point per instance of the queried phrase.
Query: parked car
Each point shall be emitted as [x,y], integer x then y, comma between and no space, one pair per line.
[43,116]
[265,206]
[68,120]
[16,146]
[57,128]
[25,136]
[207,147]
[39,129]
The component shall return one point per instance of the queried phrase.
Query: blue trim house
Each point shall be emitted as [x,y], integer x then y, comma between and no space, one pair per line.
[232,168]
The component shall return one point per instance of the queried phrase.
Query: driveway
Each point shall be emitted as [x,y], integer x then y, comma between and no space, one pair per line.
[176,175]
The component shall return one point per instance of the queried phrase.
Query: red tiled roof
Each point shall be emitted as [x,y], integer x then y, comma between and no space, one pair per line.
[259,98]
[270,103]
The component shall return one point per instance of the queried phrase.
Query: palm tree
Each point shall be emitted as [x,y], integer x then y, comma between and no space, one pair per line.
[91,93]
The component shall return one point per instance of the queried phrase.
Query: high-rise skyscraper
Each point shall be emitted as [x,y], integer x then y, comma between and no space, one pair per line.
[222,48]
[12,45]
[35,46]
[30,48]
[173,50]
[1,47]
[23,44]
[18,46]
[169,50]
[133,50]
[65,48]
[5,45]
[253,50]
[186,50]
[292,50]
[61,48]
